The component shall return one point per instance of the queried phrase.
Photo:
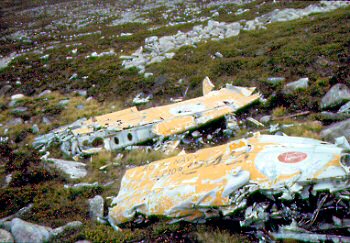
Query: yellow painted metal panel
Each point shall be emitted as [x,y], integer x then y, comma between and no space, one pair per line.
[213,103]
[188,185]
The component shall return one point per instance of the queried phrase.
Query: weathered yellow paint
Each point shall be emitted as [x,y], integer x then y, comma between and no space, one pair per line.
[184,123]
[179,117]
[186,185]
[174,126]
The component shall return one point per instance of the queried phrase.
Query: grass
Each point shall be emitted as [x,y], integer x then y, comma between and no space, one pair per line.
[219,236]
[309,129]
[279,111]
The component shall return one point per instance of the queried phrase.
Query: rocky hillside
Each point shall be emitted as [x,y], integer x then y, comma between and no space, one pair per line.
[61,61]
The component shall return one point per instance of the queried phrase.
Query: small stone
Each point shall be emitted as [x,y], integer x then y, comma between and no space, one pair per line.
[80,107]
[63,102]
[82,184]
[275,80]
[265,119]
[322,61]
[302,83]
[17,96]
[15,122]
[169,55]
[218,55]
[141,99]
[74,76]
[6,236]
[8,180]
[96,206]
[70,225]
[45,57]
[12,103]
[4,90]
[19,110]
[35,129]
[147,75]
[45,92]
[81,92]
[196,134]
[46,120]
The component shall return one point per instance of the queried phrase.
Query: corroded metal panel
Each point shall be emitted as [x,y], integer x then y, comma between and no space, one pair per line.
[189,186]
[175,117]
[131,126]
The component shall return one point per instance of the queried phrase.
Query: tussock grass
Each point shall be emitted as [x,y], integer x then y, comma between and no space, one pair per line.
[219,236]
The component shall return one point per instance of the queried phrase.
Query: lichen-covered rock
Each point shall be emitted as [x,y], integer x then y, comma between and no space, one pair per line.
[6,236]
[336,96]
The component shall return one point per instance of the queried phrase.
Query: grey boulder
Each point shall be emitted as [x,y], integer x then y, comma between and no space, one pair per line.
[337,130]
[23,231]
[96,206]
[74,170]
[337,95]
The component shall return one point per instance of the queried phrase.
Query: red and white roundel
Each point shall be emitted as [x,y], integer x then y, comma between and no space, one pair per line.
[292,157]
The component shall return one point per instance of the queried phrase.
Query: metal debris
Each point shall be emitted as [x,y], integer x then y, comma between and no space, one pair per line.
[130,127]
[188,186]
[140,99]
[254,121]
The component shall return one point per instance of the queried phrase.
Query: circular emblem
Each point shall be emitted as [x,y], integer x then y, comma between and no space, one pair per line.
[292,157]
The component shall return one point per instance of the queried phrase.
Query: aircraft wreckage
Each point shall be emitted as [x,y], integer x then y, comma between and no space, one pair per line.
[130,126]
[283,187]
[257,181]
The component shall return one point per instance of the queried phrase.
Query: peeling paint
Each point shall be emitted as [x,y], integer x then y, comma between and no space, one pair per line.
[131,126]
[188,186]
